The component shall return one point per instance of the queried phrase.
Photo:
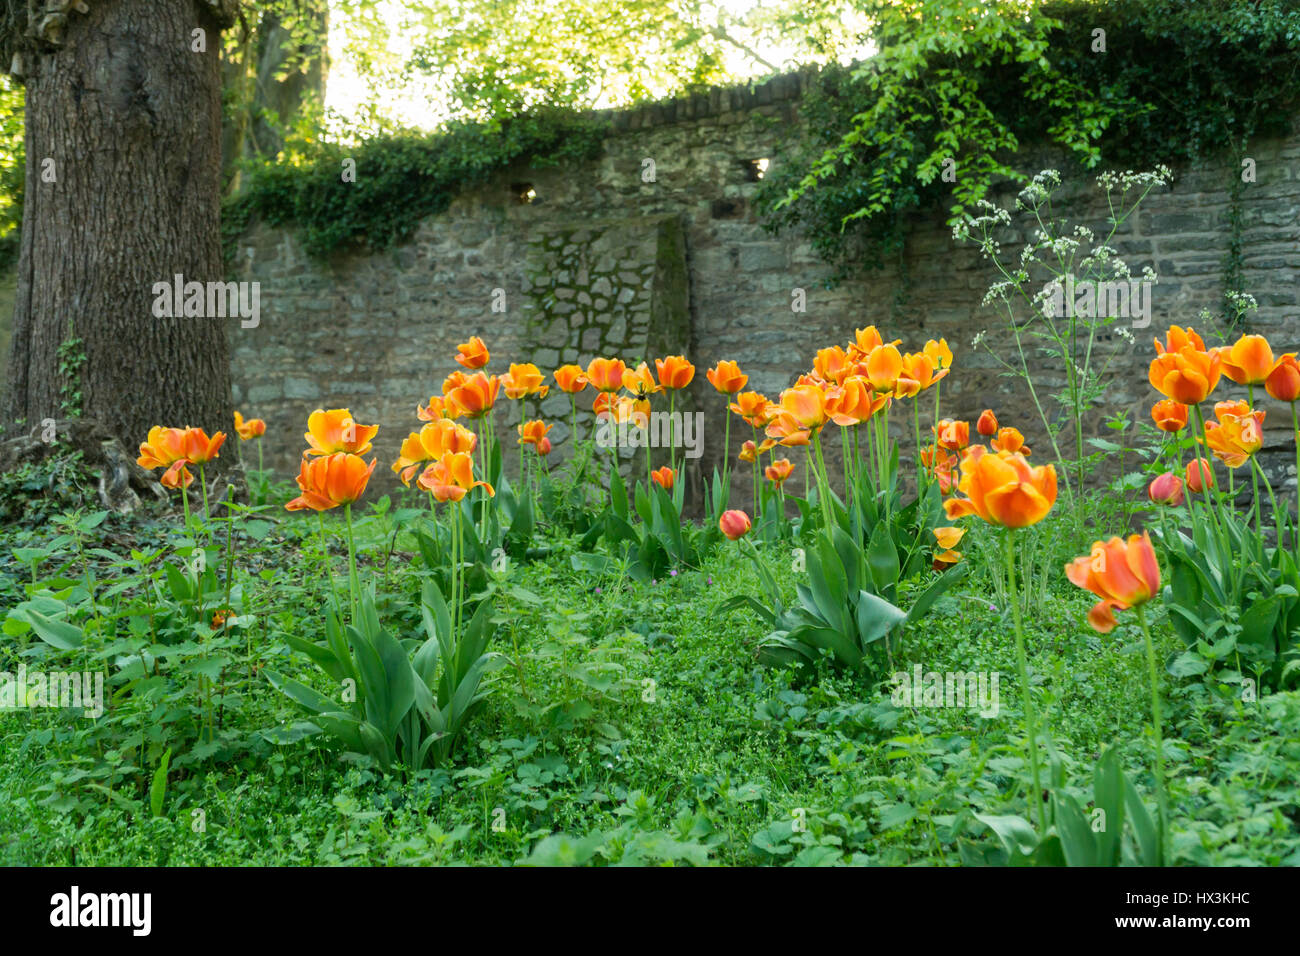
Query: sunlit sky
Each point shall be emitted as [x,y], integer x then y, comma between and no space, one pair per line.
[419,105]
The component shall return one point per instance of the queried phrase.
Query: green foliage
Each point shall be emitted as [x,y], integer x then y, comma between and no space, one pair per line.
[974,83]
[399,180]
[13,169]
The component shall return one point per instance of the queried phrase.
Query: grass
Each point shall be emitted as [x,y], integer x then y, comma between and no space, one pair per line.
[631,724]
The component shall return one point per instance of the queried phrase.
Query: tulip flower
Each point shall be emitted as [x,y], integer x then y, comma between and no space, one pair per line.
[199,448]
[1248,361]
[330,481]
[947,539]
[952,435]
[524,380]
[430,443]
[453,381]
[1003,489]
[1125,574]
[778,471]
[921,368]
[250,428]
[727,378]
[451,477]
[436,409]
[751,406]
[543,447]
[531,433]
[473,354]
[1237,435]
[943,467]
[1009,440]
[868,339]
[750,452]
[884,366]
[1199,478]
[163,448]
[1184,371]
[663,477]
[987,424]
[475,396]
[853,402]
[334,431]
[1283,381]
[675,372]
[831,365]
[570,378]
[606,375]
[939,353]
[806,404]
[1169,416]
[734,524]
[1166,489]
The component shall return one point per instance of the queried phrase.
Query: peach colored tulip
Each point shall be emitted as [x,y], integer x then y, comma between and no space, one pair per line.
[778,471]
[1166,489]
[1003,489]
[1009,440]
[1248,361]
[571,378]
[530,433]
[332,480]
[199,448]
[727,377]
[249,428]
[524,380]
[474,397]
[1198,479]
[751,406]
[335,431]
[674,372]
[1169,416]
[451,477]
[606,375]
[472,354]
[734,524]
[1123,574]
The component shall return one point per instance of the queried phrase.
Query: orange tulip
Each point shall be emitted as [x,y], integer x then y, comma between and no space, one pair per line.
[429,444]
[543,447]
[1009,440]
[751,406]
[250,428]
[947,539]
[944,468]
[853,402]
[603,405]
[1166,489]
[1248,361]
[831,365]
[641,382]
[727,377]
[663,477]
[734,524]
[749,451]
[1283,382]
[327,482]
[472,354]
[475,397]
[451,477]
[939,353]
[1237,435]
[778,471]
[920,368]
[1003,489]
[987,424]
[952,435]
[199,448]
[453,381]
[1184,371]
[1123,574]
[524,380]
[530,433]
[606,375]
[1169,416]
[806,404]
[335,431]
[865,340]
[627,410]
[674,372]
[785,428]
[1198,479]
[571,378]
[162,448]
[884,366]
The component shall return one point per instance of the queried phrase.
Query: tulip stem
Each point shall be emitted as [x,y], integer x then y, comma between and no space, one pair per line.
[823,490]
[1295,437]
[726,454]
[1036,798]
[325,558]
[1154,676]
[203,480]
[354,581]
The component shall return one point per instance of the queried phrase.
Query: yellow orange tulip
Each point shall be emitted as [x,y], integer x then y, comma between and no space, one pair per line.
[451,477]
[430,443]
[333,431]
[1248,361]
[473,354]
[987,424]
[752,407]
[606,375]
[1237,435]
[884,366]
[571,378]
[674,372]
[1009,440]
[1122,573]
[332,480]
[1283,381]
[475,396]
[249,428]
[1169,416]
[531,433]
[663,477]
[727,377]
[1003,489]
[524,380]
[778,471]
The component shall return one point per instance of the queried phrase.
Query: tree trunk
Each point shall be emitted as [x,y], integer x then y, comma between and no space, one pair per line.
[123,141]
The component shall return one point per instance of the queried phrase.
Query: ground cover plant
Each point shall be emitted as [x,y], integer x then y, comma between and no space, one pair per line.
[931,657]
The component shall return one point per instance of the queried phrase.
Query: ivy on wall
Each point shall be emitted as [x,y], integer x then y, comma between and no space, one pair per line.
[1130,83]
[372,196]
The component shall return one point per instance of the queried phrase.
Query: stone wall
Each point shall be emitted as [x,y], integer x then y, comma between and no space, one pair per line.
[603,262]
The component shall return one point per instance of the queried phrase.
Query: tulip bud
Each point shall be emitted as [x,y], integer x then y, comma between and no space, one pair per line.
[544,447]
[1195,475]
[1167,489]
[1283,382]
[987,424]
[734,524]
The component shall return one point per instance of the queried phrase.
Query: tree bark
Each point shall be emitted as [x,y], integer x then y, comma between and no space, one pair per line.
[125,117]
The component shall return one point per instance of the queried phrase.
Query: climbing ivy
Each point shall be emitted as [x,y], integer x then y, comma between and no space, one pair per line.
[1131,83]
[373,196]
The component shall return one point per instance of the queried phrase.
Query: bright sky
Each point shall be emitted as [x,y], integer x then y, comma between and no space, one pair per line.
[417,105]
